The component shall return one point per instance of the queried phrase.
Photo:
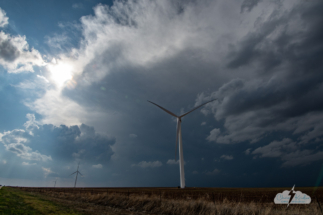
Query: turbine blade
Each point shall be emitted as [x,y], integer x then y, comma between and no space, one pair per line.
[163,109]
[80,174]
[177,136]
[196,108]
[73,173]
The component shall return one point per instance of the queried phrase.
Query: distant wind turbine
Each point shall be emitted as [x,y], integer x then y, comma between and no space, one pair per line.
[55,184]
[77,172]
[179,139]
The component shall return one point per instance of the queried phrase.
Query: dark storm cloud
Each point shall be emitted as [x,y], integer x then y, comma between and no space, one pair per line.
[256,47]
[8,51]
[285,93]
[129,65]
[293,38]
[299,48]
[283,98]
[263,100]
[255,61]
[73,142]
[296,86]
[277,148]
[247,5]
[252,109]
[289,152]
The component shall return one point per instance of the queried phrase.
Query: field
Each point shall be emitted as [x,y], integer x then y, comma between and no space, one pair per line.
[14,201]
[238,201]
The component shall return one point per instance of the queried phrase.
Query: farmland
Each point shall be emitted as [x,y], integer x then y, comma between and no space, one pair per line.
[181,201]
[14,201]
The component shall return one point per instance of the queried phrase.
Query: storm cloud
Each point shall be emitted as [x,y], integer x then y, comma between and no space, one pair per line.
[285,92]
[260,60]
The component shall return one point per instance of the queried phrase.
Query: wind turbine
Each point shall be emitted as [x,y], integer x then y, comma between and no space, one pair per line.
[77,172]
[179,139]
[55,184]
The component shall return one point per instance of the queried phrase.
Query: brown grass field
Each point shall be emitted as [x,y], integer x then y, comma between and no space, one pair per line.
[237,201]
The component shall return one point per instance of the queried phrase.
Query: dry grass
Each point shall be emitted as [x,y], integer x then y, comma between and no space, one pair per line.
[152,204]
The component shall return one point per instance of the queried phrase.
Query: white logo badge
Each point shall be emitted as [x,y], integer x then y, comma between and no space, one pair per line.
[292,197]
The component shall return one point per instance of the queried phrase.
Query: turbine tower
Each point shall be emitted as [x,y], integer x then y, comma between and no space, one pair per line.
[179,139]
[77,172]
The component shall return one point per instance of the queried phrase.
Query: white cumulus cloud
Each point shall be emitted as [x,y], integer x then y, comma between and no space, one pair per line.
[14,141]
[46,171]
[3,18]
[97,166]
[214,172]
[227,157]
[27,164]
[151,164]
[16,55]
[213,134]
[172,161]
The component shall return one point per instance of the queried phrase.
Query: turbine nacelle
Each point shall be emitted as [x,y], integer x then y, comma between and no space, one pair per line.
[179,117]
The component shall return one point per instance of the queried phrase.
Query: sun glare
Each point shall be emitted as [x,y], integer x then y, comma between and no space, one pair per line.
[60,73]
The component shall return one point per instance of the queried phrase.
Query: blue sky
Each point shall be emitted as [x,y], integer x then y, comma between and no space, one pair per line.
[75,77]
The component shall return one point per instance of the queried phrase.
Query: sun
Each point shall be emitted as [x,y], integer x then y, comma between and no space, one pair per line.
[61,72]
